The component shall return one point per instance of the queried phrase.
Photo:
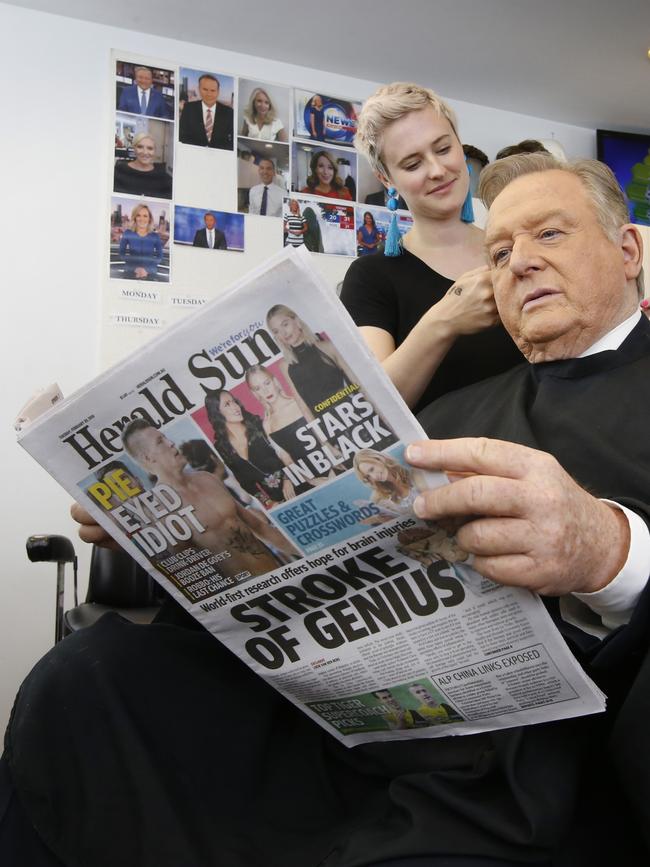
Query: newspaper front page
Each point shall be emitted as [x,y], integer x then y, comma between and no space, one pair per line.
[252,459]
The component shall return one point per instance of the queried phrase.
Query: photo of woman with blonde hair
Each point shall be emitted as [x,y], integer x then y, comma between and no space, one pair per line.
[260,118]
[142,176]
[283,418]
[312,364]
[141,248]
[394,486]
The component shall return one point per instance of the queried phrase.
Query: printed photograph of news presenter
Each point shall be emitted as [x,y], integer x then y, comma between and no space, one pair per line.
[146,163]
[372,227]
[263,111]
[144,90]
[206,118]
[329,172]
[208,228]
[261,166]
[323,227]
[323,118]
[139,240]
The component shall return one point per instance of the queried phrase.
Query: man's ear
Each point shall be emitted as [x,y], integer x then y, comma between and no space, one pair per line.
[383,179]
[632,247]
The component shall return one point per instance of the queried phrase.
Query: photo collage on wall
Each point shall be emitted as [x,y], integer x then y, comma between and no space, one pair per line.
[295,162]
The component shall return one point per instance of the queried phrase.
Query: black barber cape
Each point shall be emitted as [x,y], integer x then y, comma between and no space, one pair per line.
[155,747]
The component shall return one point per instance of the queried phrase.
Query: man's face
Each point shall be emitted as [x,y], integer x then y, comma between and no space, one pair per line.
[144,78]
[559,282]
[209,221]
[157,453]
[266,171]
[423,695]
[209,91]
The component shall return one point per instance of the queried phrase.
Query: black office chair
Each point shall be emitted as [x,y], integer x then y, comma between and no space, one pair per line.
[115,583]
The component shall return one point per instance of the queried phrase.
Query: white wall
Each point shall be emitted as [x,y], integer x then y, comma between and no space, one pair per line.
[55,145]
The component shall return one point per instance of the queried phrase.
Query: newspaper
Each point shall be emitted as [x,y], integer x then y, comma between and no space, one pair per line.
[252,459]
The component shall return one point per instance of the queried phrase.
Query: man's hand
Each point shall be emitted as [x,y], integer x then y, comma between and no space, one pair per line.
[527,522]
[90,531]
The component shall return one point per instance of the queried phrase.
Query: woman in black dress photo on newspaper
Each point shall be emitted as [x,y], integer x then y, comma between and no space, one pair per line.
[312,364]
[240,440]
[283,418]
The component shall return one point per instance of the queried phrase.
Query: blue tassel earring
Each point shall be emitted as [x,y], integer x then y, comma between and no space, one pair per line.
[392,245]
[467,214]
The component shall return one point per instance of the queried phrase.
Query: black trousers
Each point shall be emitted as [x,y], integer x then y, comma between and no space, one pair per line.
[20,845]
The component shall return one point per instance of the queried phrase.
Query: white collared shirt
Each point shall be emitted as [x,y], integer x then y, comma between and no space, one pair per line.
[146,94]
[206,109]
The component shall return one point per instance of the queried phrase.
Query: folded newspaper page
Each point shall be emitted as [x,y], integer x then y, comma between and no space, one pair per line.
[252,459]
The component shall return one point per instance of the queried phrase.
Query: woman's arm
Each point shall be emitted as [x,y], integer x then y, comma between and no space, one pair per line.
[155,253]
[282,135]
[244,128]
[467,308]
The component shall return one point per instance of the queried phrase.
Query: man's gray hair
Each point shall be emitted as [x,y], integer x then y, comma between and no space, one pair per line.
[598,180]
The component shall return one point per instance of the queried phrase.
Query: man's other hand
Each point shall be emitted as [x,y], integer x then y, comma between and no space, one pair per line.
[527,522]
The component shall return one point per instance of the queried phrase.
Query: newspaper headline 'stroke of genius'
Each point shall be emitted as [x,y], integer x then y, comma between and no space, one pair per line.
[251,458]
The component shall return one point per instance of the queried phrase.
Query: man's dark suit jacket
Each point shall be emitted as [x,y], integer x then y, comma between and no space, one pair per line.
[192,131]
[201,239]
[380,199]
[156,105]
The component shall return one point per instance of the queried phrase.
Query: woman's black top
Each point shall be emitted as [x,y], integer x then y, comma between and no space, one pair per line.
[393,293]
[315,376]
[261,475]
[286,439]
[156,183]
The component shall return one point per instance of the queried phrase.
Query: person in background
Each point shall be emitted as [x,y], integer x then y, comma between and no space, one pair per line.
[207,122]
[140,247]
[427,314]
[527,146]
[323,178]
[260,120]
[142,176]
[266,197]
[210,237]
[369,237]
[143,98]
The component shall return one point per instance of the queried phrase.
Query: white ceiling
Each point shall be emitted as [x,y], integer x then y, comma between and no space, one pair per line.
[578,61]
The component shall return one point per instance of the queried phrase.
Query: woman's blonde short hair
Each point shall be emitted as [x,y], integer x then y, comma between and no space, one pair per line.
[140,137]
[388,104]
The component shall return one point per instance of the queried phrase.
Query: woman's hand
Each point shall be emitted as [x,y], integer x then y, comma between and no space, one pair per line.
[469,305]
[90,531]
